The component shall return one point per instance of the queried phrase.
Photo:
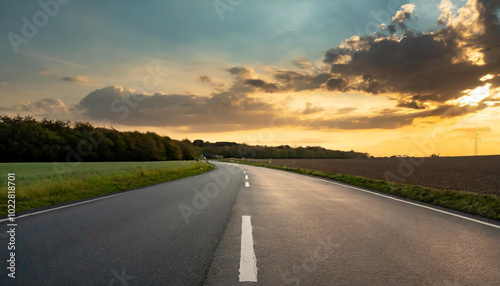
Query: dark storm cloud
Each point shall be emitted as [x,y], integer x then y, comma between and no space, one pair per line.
[417,64]
[333,55]
[285,81]
[488,15]
[399,20]
[433,65]
[223,111]
[339,84]
[290,80]
[392,29]
[415,69]
[410,104]
[265,86]
[348,48]
[240,71]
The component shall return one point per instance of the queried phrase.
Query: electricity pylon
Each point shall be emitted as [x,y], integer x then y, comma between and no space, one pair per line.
[476,142]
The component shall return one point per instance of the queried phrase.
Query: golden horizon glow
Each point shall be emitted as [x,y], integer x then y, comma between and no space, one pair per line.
[287,81]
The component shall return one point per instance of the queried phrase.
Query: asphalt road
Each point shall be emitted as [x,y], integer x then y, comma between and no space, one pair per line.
[305,231]
[140,237]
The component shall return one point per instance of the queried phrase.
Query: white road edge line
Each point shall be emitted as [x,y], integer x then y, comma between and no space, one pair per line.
[83,202]
[246,177]
[65,206]
[403,201]
[248,262]
[418,205]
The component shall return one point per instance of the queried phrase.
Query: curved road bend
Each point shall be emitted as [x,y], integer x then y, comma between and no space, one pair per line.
[305,231]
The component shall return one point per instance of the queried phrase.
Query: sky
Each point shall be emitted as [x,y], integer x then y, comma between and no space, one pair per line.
[386,77]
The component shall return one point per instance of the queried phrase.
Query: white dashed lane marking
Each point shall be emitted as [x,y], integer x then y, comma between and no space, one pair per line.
[248,262]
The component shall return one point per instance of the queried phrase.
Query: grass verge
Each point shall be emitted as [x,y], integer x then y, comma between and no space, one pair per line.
[477,204]
[44,184]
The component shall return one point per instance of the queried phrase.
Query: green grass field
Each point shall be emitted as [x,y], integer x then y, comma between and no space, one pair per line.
[44,184]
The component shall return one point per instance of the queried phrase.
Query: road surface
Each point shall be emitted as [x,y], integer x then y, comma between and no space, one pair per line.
[243,223]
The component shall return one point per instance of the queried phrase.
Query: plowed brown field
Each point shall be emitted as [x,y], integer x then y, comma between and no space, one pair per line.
[479,174]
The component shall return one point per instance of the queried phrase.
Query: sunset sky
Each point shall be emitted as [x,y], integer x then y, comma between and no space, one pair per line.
[379,76]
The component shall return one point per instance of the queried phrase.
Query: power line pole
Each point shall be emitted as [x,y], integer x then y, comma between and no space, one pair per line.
[476,142]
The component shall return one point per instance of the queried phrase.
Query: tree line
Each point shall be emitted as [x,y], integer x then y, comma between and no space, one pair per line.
[235,150]
[26,139]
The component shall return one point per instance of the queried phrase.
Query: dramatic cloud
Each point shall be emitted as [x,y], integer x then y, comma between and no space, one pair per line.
[247,81]
[293,81]
[339,84]
[389,118]
[267,87]
[225,111]
[79,78]
[240,71]
[446,8]
[399,19]
[343,53]
[404,13]
[445,73]
[432,67]
[410,104]
[449,72]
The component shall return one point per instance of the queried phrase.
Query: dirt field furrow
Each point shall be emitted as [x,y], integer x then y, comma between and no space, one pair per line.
[479,174]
